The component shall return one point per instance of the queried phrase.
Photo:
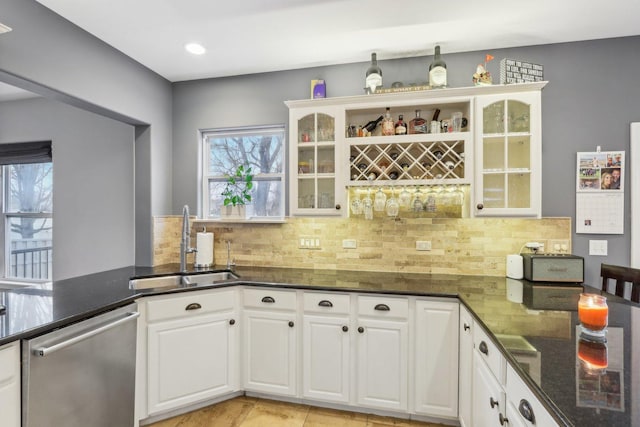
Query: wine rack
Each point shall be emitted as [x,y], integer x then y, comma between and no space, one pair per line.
[409,159]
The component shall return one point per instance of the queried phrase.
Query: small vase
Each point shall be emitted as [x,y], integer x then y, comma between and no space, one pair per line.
[230,212]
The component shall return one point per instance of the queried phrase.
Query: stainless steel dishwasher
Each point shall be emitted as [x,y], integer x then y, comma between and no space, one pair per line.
[82,375]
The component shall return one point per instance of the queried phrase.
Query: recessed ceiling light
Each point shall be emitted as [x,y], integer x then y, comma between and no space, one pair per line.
[195,48]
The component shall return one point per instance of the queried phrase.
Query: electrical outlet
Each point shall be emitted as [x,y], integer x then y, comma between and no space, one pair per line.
[423,245]
[308,243]
[349,244]
[558,246]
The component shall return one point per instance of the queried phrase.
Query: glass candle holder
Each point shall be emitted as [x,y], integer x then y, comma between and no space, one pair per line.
[593,313]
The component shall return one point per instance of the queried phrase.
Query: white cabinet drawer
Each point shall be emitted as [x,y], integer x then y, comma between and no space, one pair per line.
[528,406]
[269,298]
[330,303]
[383,306]
[191,304]
[489,353]
[9,362]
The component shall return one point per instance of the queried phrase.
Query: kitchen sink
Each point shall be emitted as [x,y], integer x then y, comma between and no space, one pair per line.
[176,280]
[208,278]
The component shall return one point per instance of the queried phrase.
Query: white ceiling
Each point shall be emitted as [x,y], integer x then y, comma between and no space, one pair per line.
[251,36]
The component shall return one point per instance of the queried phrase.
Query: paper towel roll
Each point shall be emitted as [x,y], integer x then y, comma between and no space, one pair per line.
[204,244]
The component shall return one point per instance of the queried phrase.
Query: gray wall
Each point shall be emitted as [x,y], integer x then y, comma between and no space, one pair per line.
[49,55]
[92,182]
[591,98]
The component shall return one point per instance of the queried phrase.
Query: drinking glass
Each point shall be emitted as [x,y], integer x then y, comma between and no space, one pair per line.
[417,200]
[392,204]
[356,204]
[404,200]
[379,200]
[367,206]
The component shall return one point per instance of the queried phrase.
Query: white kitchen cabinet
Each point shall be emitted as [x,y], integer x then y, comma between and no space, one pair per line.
[270,341]
[436,358]
[508,154]
[192,350]
[316,184]
[465,375]
[382,352]
[10,410]
[488,395]
[326,347]
[526,408]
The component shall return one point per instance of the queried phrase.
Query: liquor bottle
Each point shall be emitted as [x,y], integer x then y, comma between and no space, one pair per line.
[418,124]
[437,71]
[401,127]
[388,127]
[373,77]
[371,126]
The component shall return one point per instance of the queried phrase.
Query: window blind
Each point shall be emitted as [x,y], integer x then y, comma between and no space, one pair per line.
[25,152]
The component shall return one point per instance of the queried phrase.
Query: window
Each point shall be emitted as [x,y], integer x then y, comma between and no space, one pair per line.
[27,205]
[261,148]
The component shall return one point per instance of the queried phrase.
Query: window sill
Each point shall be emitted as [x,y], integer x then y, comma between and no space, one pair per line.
[241,221]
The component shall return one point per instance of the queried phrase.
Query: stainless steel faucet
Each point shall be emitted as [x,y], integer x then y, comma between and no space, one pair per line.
[230,262]
[185,241]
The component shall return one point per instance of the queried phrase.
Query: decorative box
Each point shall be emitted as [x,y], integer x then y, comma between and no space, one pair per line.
[514,71]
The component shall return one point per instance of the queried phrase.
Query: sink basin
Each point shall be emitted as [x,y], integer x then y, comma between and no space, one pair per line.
[208,278]
[176,281]
[156,282]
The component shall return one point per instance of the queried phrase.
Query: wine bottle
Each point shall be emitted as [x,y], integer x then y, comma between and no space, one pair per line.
[437,71]
[388,127]
[370,126]
[373,77]
[401,127]
[418,124]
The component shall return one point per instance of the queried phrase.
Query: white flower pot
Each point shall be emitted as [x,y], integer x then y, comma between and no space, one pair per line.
[233,213]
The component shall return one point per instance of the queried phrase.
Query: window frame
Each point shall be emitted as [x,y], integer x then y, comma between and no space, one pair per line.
[205,178]
[5,218]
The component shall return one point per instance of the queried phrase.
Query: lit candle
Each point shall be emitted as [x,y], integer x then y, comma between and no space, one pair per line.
[593,312]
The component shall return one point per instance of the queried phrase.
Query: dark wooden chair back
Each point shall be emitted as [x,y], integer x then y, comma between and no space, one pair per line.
[621,275]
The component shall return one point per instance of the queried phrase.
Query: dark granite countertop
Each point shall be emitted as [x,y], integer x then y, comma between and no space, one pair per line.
[535,326]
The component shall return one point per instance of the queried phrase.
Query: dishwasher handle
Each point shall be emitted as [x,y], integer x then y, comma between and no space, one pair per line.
[45,351]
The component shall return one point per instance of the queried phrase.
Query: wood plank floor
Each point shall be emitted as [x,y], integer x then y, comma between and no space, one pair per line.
[252,412]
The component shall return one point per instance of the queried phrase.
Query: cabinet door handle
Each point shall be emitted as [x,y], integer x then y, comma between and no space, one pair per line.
[466,327]
[338,207]
[483,348]
[325,303]
[382,307]
[232,322]
[480,206]
[361,329]
[268,300]
[291,324]
[493,403]
[526,411]
[345,329]
[503,420]
[193,306]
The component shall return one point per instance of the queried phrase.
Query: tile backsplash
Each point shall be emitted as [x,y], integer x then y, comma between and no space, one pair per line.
[467,246]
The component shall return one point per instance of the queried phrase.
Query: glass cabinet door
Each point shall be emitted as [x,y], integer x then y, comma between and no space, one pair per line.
[315,173]
[508,156]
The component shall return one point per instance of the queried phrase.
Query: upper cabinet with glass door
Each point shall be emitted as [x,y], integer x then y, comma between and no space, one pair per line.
[315,187]
[508,155]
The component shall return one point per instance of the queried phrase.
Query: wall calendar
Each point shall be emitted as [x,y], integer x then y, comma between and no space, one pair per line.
[600,192]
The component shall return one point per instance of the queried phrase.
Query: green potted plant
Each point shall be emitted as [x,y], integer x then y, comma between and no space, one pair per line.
[237,193]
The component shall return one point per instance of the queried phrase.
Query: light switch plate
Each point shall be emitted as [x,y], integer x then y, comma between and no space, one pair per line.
[423,245]
[598,247]
[349,244]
